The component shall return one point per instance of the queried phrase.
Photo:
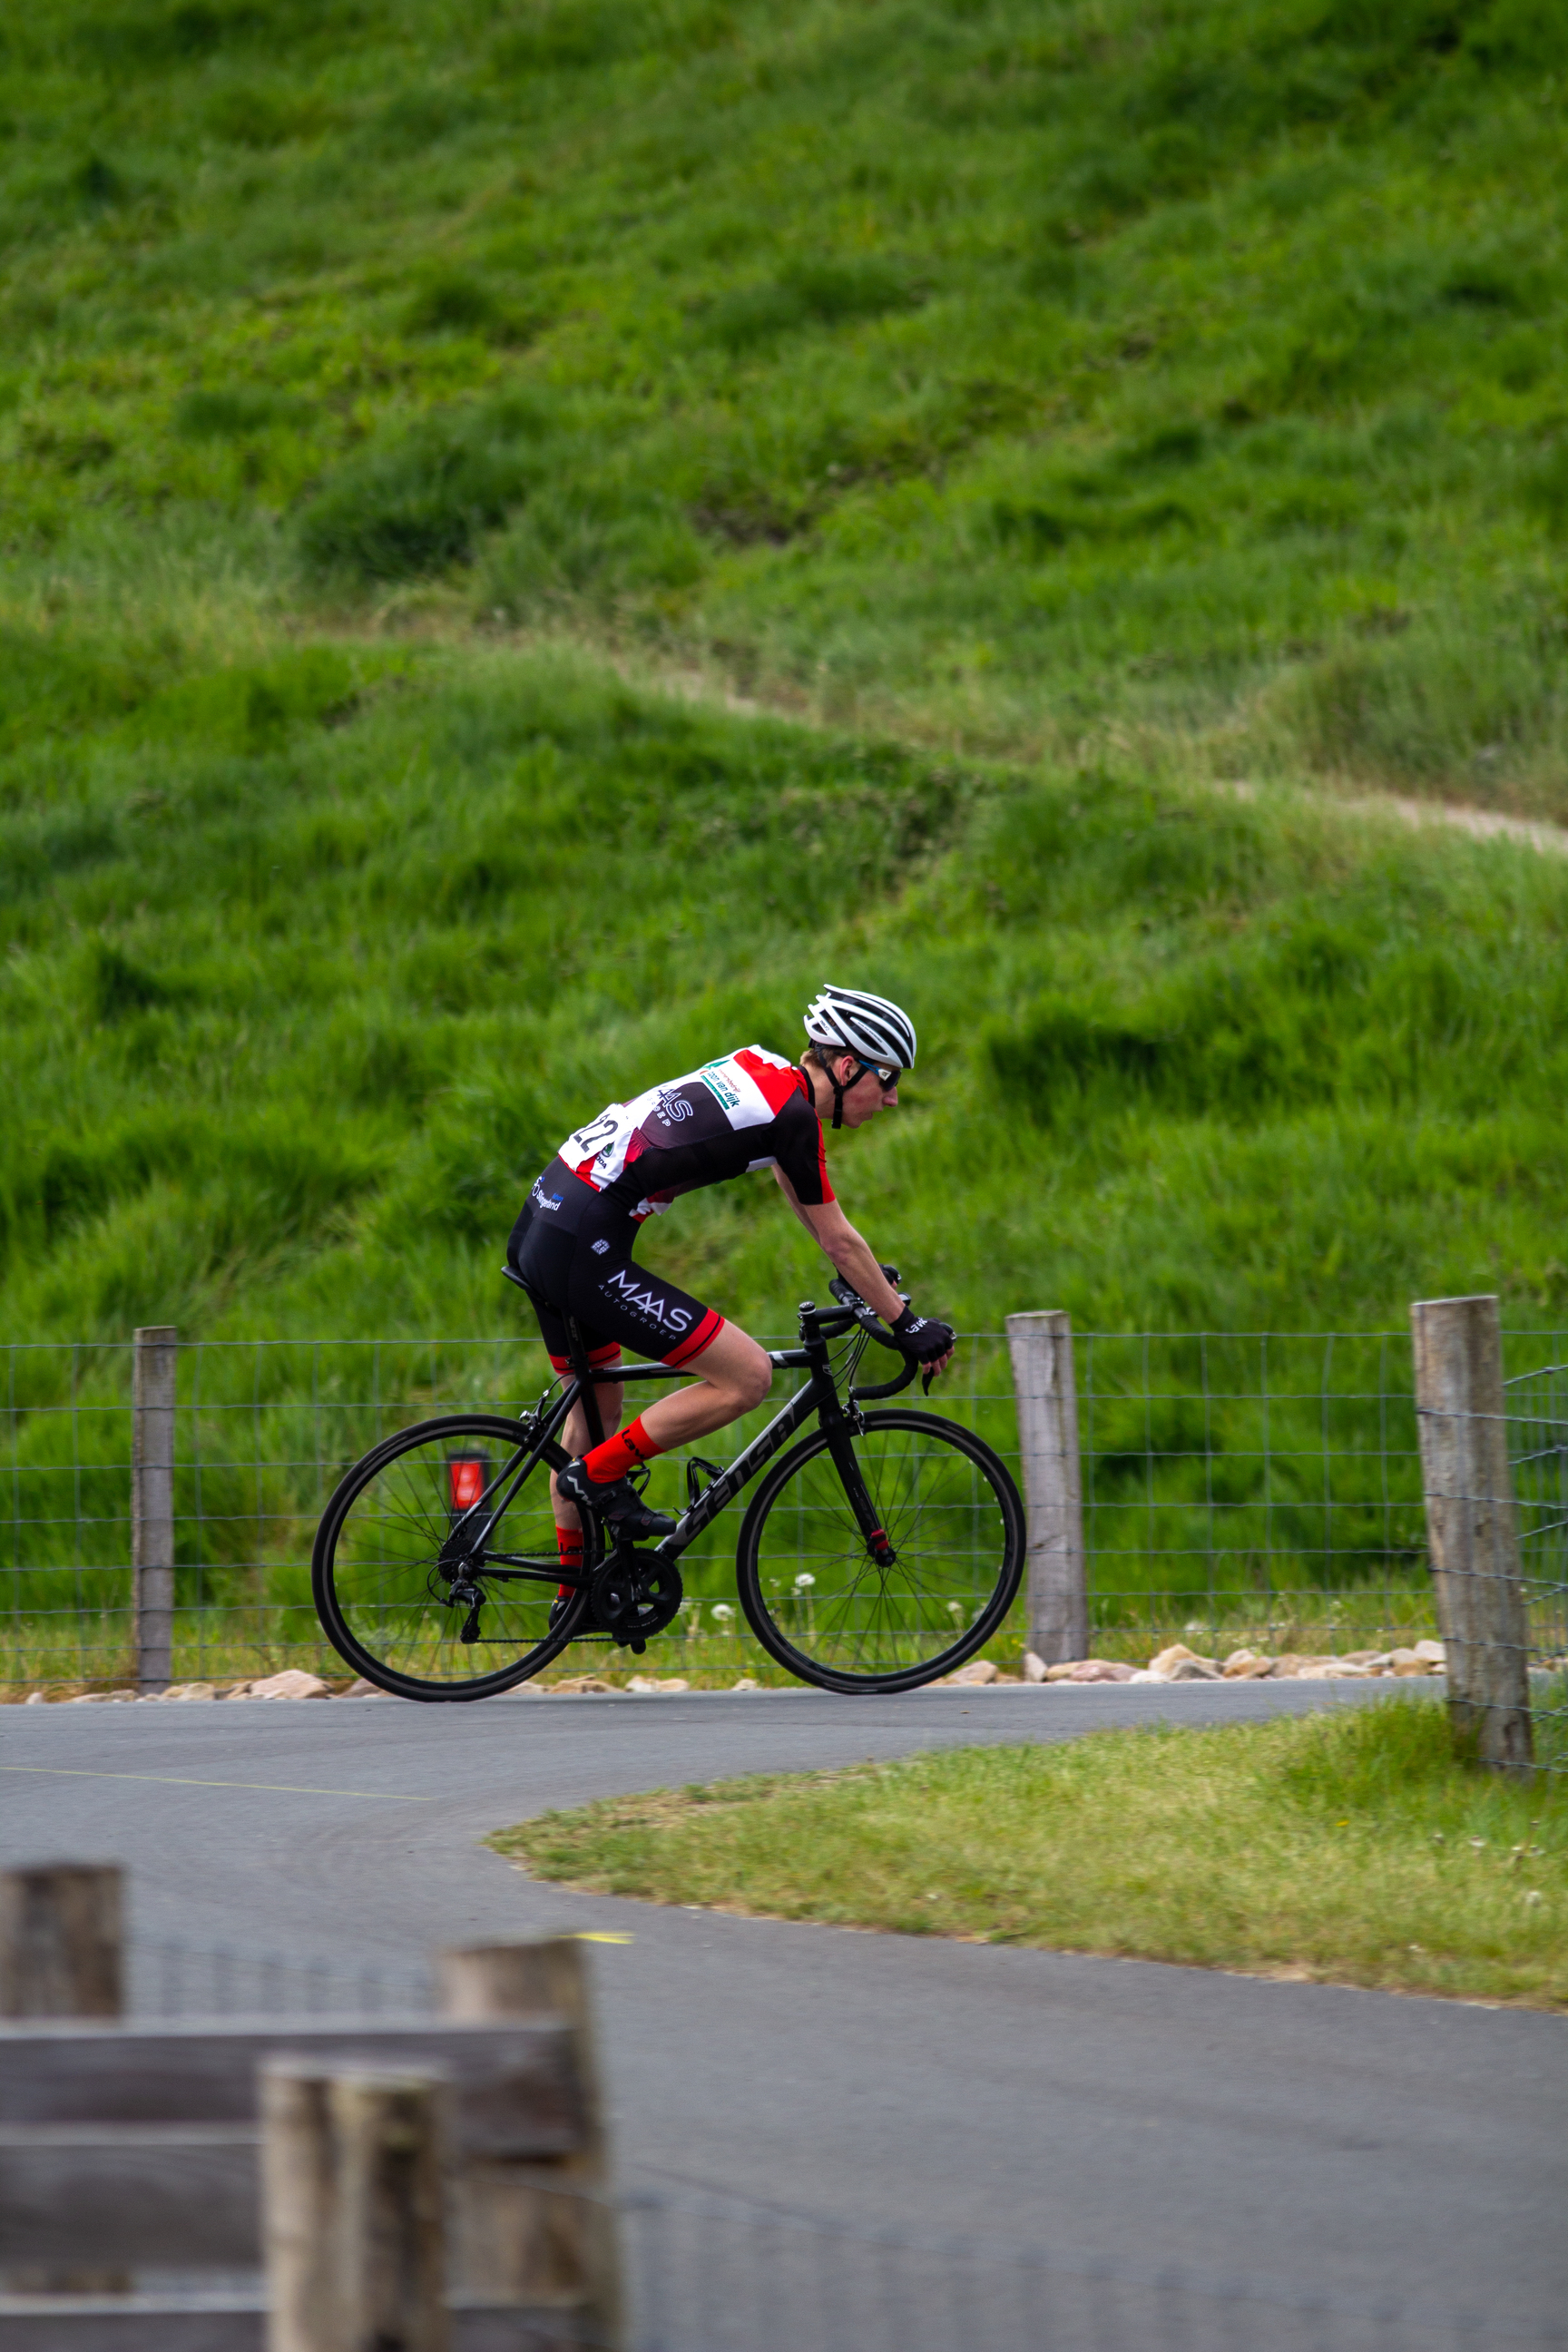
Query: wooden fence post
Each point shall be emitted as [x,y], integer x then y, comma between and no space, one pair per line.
[535,2233]
[152,1502]
[62,1955]
[60,1940]
[1047,1390]
[1471,1529]
[352,2202]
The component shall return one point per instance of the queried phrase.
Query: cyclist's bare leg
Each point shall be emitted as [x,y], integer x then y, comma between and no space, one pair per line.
[736,1377]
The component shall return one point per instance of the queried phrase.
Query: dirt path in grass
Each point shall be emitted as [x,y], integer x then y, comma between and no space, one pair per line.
[1481,825]
[695,686]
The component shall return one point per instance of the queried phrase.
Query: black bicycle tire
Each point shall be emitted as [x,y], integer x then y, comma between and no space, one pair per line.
[445,1427]
[795,1661]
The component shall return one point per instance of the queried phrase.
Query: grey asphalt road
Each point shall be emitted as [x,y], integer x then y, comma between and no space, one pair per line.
[1296,2135]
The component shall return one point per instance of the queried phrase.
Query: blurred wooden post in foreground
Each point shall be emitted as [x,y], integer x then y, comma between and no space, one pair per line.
[152,1502]
[1471,1528]
[60,1940]
[352,2195]
[1047,1390]
[62,1955]
[538,2232]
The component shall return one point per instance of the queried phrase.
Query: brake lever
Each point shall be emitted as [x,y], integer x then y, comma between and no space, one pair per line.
[870,1322]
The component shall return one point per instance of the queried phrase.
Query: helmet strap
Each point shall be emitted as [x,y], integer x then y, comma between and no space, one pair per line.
[838,1092]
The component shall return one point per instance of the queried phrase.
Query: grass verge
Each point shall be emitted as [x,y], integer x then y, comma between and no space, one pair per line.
[1350,1848]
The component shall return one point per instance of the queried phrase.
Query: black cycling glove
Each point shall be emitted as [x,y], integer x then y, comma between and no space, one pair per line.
[923,1336]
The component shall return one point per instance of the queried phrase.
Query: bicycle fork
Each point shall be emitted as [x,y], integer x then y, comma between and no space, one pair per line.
[848,1464]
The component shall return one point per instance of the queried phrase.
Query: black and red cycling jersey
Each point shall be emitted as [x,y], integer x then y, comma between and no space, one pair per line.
[749,1109]
[573,1243]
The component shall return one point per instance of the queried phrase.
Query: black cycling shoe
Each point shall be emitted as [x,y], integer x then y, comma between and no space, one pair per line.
[617,1503]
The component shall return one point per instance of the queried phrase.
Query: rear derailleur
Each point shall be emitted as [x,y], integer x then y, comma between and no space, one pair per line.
[463,1593]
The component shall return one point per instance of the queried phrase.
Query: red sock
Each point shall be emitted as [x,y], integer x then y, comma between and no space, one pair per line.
[619,1454]
[569,1544]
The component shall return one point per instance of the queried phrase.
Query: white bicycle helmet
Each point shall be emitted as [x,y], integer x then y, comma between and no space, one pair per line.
[870,1026]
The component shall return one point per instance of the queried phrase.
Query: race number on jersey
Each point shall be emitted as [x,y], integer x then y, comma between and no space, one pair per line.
[749,1109]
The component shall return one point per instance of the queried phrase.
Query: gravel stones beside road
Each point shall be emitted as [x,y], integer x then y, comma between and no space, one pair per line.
[1175,1663]
[292,1682]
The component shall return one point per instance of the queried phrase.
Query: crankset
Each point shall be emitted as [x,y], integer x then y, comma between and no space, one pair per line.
[635,1596]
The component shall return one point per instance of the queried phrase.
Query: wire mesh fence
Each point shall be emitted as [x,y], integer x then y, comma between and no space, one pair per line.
[263,1431]
[1262,1488]
[1536,1407]
[173,1977]
[711,2274]
[705,2271]
[1259,1489]
[707,2274]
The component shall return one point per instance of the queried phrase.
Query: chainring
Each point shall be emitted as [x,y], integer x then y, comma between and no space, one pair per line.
[635,1596]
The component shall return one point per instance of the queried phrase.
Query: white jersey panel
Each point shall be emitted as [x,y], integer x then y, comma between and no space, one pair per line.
[598,1151]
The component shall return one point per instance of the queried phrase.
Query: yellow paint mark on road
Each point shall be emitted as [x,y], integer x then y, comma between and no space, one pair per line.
[183,1780]
[591,1935]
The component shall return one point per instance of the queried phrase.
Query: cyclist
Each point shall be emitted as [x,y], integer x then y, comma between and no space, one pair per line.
[572,1243]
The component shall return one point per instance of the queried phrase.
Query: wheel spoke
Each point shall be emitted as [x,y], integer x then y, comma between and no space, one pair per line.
[384,1596]
[952,1516]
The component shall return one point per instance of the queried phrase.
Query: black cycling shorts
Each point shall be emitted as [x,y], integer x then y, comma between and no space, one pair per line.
[572,1247]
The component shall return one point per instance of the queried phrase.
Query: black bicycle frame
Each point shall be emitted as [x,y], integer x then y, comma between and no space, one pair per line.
[818,1395]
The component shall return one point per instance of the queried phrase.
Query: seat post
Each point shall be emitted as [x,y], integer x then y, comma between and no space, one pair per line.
[582,1369]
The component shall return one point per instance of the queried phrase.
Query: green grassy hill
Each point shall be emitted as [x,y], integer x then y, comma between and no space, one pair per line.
[1064,407]
[313,962]
[1025,372]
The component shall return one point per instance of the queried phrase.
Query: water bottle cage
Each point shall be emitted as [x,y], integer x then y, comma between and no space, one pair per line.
[697,1469]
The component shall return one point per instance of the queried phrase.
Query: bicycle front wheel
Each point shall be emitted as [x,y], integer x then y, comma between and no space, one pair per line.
[819,1603]
[398,1605]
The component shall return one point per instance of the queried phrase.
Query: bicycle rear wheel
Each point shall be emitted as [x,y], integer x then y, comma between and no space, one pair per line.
[396,1604]
[823,1607]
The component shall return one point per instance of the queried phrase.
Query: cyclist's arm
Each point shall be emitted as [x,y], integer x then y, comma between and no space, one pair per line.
[831,1229]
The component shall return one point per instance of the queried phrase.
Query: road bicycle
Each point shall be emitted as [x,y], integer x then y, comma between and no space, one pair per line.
[880,1553]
